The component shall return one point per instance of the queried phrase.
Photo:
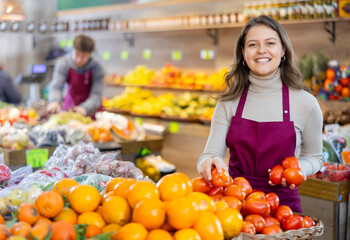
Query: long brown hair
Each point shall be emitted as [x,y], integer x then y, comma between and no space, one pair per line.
[237,79]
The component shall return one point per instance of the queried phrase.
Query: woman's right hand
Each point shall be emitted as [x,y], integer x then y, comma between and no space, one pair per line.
[206,165]
[53,107]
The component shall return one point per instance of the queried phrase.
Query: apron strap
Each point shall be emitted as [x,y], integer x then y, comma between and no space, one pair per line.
[285,98]
[241,103]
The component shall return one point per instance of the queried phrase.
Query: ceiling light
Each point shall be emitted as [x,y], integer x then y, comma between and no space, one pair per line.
[11,10]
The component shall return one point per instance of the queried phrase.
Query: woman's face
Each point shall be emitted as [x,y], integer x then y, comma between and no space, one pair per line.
[80,58]
[263,51]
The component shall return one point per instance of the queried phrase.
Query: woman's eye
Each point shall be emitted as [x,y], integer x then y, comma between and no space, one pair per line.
[270,43]
[251,45]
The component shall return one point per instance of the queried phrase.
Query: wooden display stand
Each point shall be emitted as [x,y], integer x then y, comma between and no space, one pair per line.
[329,202]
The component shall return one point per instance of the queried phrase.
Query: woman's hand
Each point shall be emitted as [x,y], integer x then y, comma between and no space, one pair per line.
[80,110]
[284,182]
[53,107]
[206,165]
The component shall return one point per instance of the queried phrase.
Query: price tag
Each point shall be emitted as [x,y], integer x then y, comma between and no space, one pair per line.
[207,54]
[70,43]
[124,55]
[176,55]
[139,120]
[147,54]
[63,43]
[37,157]
[106,55]
[173,127]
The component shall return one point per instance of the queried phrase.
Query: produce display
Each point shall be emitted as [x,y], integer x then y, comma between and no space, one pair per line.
[337,83]
[170,77]
[10,114]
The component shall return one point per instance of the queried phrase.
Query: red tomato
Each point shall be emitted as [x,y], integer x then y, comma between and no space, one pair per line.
[256,194]
[244,183]
[293,176]
[215,190]
[282,212]
[248,227]
[273,200]
[200,185]
[230,181]
[257,220]
[276,174]
[271,221]
[232,202]
[292,222]
[258,206]
[308,222]
[244,210]
[273,229]
[290,162]
[235,191]
[217,197]
[219,179]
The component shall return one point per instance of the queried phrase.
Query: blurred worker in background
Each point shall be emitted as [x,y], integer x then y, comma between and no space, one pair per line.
[8,92]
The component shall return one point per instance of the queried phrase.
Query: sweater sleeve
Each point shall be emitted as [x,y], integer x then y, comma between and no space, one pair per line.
[94,101]
[59,78]
[216,142]
[310,158]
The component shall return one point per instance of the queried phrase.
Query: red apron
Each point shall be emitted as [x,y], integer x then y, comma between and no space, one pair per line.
[79,88]
[256,147]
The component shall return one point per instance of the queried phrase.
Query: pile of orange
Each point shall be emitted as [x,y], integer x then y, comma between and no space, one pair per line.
[127,209]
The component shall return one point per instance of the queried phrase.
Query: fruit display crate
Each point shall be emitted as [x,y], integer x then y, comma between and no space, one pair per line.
[332,191]
[19,158]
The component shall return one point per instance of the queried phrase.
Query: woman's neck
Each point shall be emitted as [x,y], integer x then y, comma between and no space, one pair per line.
[265,85]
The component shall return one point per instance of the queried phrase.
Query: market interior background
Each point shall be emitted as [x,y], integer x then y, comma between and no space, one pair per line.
[20,50]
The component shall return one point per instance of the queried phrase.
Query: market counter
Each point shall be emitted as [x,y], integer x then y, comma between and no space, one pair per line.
[330,202]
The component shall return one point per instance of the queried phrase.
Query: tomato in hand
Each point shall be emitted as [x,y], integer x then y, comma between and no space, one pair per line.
[272,229]
[293,222]
[271,221]
[290,162]
[200,185]
[308,222]
[257,206]
[235,191]
[273,200]
[244,183]
[282,212]
[257,220]
[276,174]
[248,227]
[219,179]
[293,176]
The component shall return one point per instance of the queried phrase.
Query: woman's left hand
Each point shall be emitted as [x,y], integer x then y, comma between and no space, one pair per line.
[284,182]
[80,110]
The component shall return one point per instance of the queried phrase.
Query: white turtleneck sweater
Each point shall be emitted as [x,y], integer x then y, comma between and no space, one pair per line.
[264,104]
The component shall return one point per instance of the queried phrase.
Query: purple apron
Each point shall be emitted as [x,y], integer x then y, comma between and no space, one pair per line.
[256,147]
[79,87]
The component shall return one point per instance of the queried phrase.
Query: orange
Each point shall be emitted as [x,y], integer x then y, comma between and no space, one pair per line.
[208,226]
[67,214]
[92,230]
[1,219]
[84,198]
[232,202]
[186,180]
[99,210]
[44,219]
[28,212]
[202,201]
[167,227]
[181,213]
[63,186]
[141,190]
[39,230]
[113,229]
[132,231]
[116,210]
[121,189]
[4,232]
[91,218]
[106,195]
[220,205]
[173,186]
[150,213]
[111,184]
[20,228]
[49,203]
[231,221]
[62,230]
[330,73]
[345,92]
[187,234]
[159,234]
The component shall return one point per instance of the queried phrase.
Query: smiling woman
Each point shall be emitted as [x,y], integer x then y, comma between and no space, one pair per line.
[265,114]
